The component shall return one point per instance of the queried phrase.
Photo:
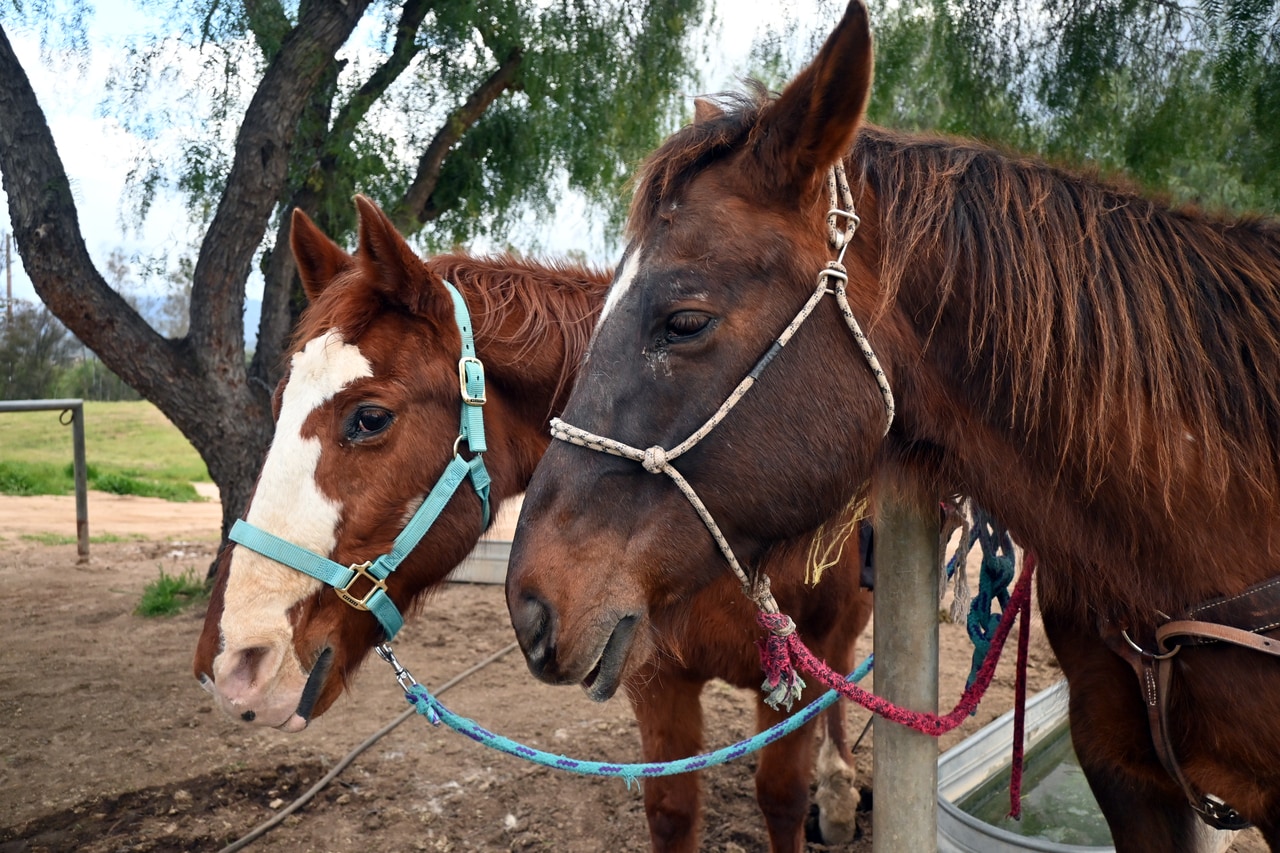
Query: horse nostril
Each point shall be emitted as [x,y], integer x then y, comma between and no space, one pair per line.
[248,716]
[534,624]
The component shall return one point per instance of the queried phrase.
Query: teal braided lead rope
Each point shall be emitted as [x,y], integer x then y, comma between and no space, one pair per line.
[998,563]
[436,713]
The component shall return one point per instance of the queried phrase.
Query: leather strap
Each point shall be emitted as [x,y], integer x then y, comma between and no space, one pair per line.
[1194,632]
[1155,671]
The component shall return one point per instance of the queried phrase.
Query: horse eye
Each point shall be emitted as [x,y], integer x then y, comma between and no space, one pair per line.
[683,325]
[367,422]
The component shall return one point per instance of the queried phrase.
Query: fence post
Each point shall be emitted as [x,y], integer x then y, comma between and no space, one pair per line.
[82,481]
[905,819]
[76,407]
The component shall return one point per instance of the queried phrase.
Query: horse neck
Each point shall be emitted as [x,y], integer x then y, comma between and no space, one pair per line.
[1095,443]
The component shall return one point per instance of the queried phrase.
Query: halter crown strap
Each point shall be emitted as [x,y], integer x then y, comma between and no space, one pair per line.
[343,579]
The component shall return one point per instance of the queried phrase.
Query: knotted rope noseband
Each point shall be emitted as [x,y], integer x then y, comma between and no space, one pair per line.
[833,280]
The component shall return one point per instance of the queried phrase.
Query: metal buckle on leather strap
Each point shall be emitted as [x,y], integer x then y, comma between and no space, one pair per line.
[361,570]
[1154,671]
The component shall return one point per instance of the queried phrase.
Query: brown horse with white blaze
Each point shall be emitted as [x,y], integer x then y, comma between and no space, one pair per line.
[367,421]
[1097,369]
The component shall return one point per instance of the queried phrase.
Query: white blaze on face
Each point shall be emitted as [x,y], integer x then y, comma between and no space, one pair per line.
[287,503]
[622,283]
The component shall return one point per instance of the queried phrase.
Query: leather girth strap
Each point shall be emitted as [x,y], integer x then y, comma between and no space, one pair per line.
[1238,619]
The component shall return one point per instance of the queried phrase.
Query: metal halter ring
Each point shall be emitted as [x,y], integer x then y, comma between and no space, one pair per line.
[1140,650]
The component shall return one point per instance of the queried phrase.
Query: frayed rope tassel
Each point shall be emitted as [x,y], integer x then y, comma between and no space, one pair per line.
[782,684]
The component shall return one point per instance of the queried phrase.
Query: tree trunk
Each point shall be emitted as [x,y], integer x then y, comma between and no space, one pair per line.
[199,382]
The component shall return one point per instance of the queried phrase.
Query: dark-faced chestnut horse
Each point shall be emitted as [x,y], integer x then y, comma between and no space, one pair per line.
[367,419]
[1098,369]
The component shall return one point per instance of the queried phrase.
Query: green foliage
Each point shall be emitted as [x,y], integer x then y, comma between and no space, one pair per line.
[34,351]
[596,88]
[169,594]
[40,359]
[90,379]
[1183,97]
[121,483]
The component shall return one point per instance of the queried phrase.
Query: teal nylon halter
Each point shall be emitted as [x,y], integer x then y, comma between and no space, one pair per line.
[340,577]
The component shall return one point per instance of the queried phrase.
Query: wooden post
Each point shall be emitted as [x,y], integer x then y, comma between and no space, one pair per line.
[905,818]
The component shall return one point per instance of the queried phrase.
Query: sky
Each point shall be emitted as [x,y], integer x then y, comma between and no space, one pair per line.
[98,152]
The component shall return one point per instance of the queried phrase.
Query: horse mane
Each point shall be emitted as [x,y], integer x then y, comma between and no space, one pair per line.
[557,303]
[1150,334]
[555,299]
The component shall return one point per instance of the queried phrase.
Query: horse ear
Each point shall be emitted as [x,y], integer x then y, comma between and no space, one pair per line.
[813,122]
[705,109]
[319,259]
[393,265]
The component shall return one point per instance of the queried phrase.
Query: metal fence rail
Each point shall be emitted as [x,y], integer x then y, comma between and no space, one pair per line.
[73,414]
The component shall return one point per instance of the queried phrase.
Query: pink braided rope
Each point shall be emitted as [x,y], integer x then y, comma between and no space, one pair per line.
[1020,706]
[779,654]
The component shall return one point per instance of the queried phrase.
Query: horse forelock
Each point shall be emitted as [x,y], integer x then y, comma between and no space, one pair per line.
[687,152]
[1152,333]
[349,303]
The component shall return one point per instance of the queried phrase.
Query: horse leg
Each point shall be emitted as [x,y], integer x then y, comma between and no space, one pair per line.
[837,794]
[1145,809]
[782,781]
[668,710]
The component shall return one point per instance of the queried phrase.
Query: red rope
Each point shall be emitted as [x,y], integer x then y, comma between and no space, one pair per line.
[925,722]
[1020,702]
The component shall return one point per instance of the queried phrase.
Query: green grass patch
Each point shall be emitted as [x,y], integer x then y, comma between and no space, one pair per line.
[28,478]
[169,594]
[60,539]
[131,448]
[41,478]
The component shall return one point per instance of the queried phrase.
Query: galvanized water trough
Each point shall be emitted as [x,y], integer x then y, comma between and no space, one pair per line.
[1067,815]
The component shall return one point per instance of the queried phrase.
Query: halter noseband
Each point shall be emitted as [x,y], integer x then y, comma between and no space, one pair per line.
[657,460]
[343,578]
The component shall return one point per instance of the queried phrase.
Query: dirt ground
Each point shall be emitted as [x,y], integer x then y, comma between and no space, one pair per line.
[108,744]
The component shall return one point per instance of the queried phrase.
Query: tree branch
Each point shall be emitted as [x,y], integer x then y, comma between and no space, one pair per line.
[403,51]
[412,210]
[47,230]
[257,179]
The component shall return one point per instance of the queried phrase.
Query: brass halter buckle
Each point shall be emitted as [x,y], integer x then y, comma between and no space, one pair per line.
[361,571]
[467,397]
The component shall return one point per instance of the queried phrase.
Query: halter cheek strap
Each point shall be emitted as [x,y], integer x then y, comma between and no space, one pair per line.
[375,572]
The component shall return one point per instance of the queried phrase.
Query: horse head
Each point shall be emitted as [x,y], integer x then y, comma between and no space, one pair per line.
[367,419]
[727,235]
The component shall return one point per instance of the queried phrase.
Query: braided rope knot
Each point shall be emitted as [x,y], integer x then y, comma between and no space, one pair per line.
[655,460]
[782,683]
[777,624]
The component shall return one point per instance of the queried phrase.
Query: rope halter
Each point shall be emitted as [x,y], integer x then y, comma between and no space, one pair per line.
[375,572]
[833,279]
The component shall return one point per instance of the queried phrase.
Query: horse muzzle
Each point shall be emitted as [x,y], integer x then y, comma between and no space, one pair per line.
[597,660]
[262,688]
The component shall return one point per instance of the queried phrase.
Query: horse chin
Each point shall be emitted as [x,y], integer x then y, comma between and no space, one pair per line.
[606,676]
